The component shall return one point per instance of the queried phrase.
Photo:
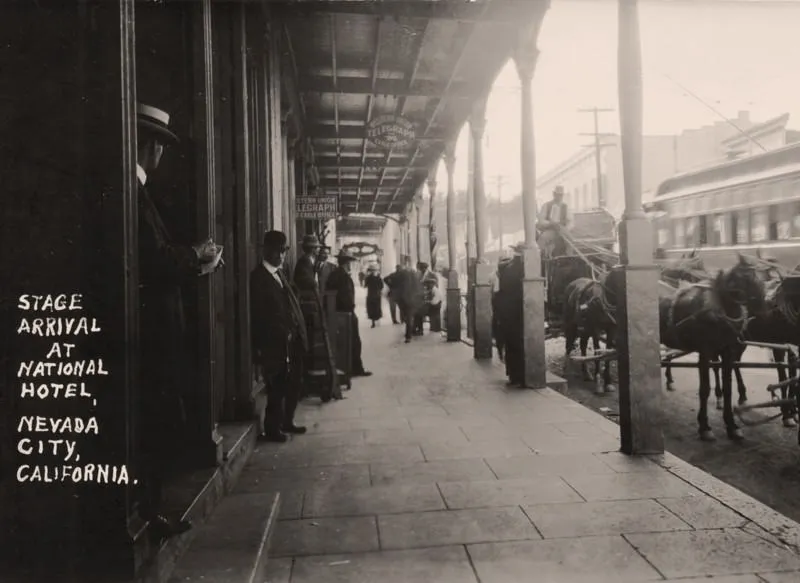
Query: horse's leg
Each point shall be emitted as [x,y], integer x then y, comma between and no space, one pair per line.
[584,346]
[705,391]
[731,428]
[717,385]
[789,392]
[599,387]
[609,386]
[668,375]
[738,353]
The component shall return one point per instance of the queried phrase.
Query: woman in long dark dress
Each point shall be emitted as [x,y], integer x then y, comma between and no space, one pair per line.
[374,285]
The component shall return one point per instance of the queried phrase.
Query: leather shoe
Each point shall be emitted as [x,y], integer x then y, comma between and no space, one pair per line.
[161,529]
[363,373]
[295,429]
[274,437]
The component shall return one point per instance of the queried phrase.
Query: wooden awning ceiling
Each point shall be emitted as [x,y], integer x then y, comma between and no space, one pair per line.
[360,225]
[425,61]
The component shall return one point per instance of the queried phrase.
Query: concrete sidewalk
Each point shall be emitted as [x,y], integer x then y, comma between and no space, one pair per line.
[432,471]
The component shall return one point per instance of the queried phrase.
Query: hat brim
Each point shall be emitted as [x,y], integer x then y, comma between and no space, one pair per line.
[345,258]
[160,131]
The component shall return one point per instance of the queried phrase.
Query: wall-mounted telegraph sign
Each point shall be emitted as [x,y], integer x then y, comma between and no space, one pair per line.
[391,132]
[313,208]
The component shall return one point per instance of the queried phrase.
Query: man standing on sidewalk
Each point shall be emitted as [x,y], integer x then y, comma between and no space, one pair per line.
[392,281]
[341,281]
[278,336]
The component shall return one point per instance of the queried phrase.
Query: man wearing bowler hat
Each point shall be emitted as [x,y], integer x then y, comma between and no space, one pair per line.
[341,281]
[164,266]
[279,338]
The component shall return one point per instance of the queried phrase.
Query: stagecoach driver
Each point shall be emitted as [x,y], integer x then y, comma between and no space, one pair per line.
[554,218]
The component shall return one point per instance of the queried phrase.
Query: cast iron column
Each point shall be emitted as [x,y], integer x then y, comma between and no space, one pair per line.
[453,288]
[433,238]
[638,336]
[483,271]
[471,239]
[525,55]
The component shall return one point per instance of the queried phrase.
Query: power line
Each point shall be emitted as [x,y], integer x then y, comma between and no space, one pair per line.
[716,111]
[598,146]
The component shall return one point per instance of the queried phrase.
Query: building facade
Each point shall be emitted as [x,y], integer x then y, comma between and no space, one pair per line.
[662,157]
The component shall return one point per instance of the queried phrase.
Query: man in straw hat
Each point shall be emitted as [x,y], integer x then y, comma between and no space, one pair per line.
[279,339]
[554,218]
[341,281]
[164,266]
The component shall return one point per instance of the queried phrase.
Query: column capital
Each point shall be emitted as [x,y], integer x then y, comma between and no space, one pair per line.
[526,54]
[477,118]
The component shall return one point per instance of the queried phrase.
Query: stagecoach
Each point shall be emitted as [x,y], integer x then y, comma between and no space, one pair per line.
[588,252]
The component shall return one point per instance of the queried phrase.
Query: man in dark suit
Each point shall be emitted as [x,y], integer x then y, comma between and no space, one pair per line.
[305,277]
[341,281]
[410,299]
[324,268]
[510,277]
[392,281]
[278,338]
[164,266]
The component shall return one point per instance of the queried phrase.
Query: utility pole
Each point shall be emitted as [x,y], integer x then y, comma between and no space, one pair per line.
[500,181]
[598,146]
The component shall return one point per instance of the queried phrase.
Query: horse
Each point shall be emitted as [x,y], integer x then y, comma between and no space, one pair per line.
[710,318]
[587,314]
[778,324]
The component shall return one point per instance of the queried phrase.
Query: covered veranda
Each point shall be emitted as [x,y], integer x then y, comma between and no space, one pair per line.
[275,101]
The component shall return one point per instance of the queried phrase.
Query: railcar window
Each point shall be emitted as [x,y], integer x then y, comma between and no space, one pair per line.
[795,214]
[780,223]
[742,227]
[719,233]
[702,235]
[759,224]
[680,233]
[693,231]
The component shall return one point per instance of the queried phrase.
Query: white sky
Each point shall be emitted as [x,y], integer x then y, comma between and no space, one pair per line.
[734,55]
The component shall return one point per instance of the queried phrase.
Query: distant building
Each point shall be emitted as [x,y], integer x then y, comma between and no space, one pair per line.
[662,157]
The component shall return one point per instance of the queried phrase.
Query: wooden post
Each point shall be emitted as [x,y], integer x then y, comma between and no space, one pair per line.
[418,227]
[482,346]
[238,400]
[535,364]
[207,448]
[641,418]
[453,288]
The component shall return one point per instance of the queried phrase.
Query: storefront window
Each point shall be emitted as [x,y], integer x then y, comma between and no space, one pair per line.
[759,224]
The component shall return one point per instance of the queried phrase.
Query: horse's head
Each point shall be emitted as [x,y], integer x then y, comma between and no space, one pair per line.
[742,284]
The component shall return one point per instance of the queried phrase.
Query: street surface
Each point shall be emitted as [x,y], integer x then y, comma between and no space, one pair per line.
[766,465]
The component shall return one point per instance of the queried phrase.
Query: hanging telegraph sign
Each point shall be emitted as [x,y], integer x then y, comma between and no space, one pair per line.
[391,132]
[317,207]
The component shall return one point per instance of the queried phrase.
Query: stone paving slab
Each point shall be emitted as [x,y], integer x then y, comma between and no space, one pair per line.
[438,472]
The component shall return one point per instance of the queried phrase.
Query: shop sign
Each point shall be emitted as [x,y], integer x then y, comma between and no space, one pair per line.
[391,132]
[317,207]
[361,250]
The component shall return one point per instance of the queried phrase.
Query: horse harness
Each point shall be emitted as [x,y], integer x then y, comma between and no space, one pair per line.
[737,325]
